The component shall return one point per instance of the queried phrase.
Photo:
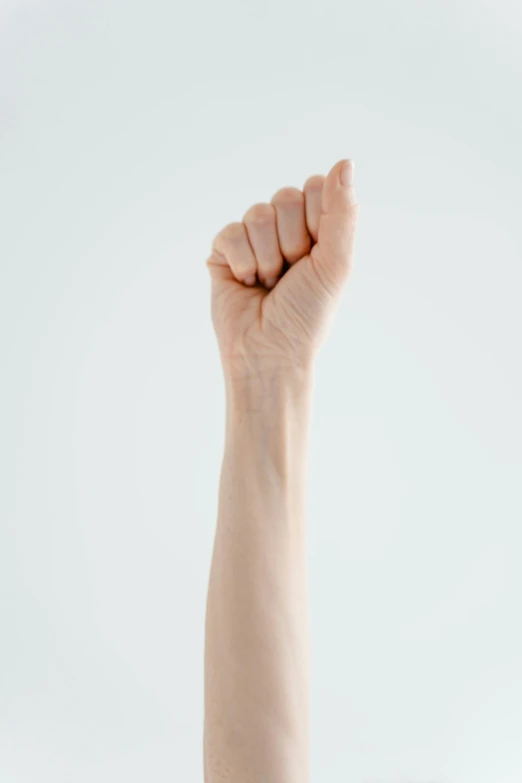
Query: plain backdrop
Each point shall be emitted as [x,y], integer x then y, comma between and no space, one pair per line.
[130,134]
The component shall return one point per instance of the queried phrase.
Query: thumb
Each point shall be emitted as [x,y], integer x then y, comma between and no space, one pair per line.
[333,252]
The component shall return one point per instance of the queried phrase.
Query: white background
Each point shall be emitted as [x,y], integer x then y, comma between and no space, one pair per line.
[130,133]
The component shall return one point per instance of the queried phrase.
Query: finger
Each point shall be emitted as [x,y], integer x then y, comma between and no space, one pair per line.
[260,222]
[220,270]
[233,245]
[337,223]
[313,193]
[294,239]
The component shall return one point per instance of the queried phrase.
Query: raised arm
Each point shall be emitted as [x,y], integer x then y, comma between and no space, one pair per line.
[257,647]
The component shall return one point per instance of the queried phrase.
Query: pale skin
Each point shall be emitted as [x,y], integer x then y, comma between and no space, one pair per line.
[277,277]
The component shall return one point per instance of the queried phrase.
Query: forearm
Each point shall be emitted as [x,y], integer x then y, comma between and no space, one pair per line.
[257,648]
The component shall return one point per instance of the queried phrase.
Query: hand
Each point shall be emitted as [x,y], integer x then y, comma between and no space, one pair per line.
[277,275]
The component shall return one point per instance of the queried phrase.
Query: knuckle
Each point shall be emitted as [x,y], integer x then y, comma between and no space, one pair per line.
[288,196]
[230,233]
[315,182]
[259,213]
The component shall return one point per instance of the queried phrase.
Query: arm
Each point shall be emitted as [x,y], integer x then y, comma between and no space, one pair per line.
[257,651]
[256,663]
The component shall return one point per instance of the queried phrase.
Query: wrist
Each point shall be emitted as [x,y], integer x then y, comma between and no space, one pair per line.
[268,390]
[267,425]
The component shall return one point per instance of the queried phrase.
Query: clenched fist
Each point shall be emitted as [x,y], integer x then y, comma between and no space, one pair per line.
[277,275]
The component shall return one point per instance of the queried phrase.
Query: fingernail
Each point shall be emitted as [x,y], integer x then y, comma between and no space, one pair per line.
[250,280]
[346,173]
[270,282]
